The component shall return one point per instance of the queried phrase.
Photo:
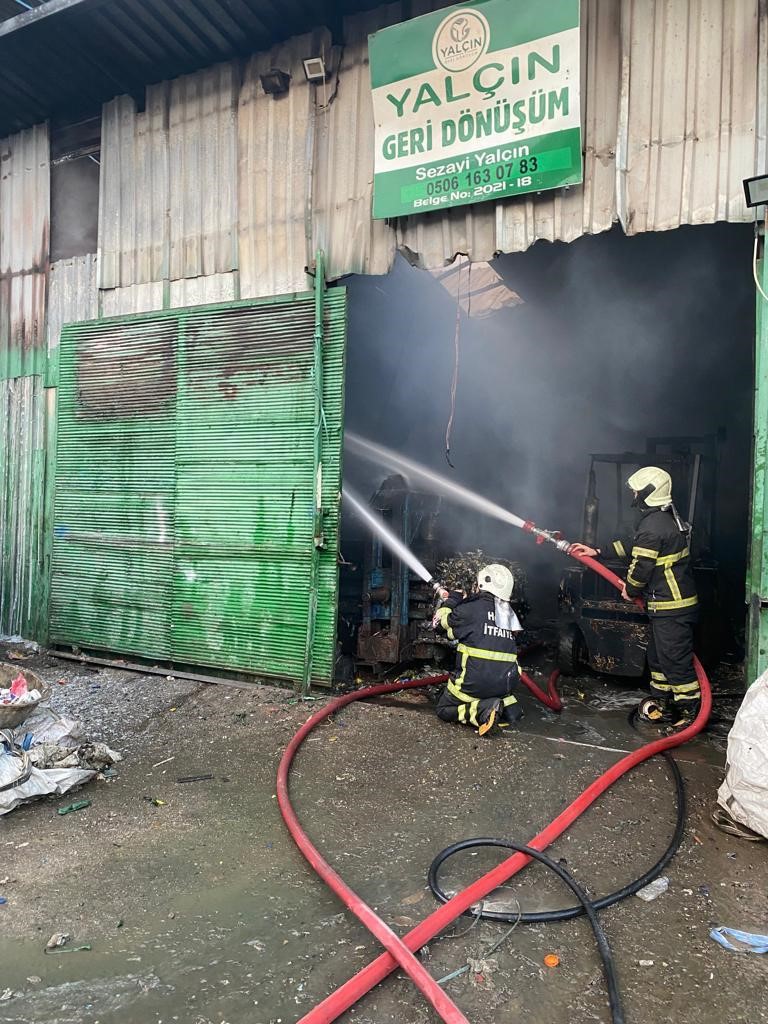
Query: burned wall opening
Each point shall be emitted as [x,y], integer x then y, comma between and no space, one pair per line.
[615,340]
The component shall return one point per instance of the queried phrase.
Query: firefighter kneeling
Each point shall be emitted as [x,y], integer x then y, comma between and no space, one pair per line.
[484,624]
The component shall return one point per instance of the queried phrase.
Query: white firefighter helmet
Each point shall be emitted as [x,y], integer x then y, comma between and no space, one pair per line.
[497,580]
[653,484]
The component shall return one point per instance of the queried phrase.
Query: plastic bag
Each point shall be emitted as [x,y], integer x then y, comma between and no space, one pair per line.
[744,793]
[38,783]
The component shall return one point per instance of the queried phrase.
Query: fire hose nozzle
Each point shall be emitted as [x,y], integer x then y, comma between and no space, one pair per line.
[547,536]
[439,589]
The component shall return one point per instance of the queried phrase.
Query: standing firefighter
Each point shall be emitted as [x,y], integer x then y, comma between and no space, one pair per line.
[660,572]
[480,693]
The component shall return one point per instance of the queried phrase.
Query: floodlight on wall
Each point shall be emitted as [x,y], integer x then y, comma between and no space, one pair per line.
[275,82]
[315,70]
[756,190]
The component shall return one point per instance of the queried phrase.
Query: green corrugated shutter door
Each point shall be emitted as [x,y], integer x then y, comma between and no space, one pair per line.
[185,485]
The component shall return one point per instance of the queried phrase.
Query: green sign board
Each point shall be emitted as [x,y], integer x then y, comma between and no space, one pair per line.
[476,102]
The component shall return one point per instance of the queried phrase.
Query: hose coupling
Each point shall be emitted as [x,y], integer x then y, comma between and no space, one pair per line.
[547,536]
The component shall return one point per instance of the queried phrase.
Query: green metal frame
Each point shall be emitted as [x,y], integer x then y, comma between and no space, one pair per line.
[757,576]
[318,540]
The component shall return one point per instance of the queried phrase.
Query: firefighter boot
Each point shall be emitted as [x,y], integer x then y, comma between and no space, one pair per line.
[511,712]
[489,716]
[654,711]
[683,712]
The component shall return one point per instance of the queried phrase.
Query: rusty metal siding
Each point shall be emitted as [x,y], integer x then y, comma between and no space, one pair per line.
[276,143]
[168,203]
[24,236]
[354,243]
[688,133]
[72,296]
[133,197]
[202,140]
[295,174]
[22,475]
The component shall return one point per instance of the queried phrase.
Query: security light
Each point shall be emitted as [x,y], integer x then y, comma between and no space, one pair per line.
[756,190]
[315,70]
[275,83]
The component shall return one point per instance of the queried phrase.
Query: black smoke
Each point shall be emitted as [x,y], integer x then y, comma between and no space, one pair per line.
[618,339]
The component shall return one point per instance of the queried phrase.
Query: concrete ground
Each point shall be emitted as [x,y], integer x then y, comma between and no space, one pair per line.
[202,911]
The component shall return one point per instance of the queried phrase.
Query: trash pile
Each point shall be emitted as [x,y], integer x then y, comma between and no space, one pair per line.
[460,573]
[48,754]
[19,692]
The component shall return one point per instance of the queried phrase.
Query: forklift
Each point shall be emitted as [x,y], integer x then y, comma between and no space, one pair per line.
[597,629]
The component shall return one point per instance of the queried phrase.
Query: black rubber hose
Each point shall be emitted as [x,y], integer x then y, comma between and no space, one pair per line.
[585,907]
[567,913]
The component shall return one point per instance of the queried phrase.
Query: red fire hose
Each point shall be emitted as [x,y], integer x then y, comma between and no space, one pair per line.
[400,951]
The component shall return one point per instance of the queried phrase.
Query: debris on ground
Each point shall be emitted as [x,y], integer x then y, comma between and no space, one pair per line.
[78,805]
[56,940]
[48,754]
[19,692]
[656,888]
[736,941]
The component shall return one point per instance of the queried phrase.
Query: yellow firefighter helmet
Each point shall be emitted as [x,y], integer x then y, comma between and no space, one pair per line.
[652,485]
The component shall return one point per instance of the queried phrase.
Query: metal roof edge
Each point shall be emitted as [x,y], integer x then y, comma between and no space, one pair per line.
[38,14]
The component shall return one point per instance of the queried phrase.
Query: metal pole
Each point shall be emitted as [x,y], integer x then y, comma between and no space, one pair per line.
[317,530]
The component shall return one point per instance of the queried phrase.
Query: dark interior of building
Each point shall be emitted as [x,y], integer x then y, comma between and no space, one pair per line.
[605,343]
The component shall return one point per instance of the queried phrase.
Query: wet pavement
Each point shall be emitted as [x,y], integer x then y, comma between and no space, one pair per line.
[201,910]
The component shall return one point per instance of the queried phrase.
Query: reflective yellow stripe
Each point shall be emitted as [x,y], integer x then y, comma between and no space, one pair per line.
[659,676]
[687,696]
[686,687]
[509,700]
[674,589]
[644,553]
[619,548]
[442,616]
[460,680]
[479,652]
[663,606]
[671,559]
[676,687]
[456,691]
[633,582]
[474,707]
[462,709]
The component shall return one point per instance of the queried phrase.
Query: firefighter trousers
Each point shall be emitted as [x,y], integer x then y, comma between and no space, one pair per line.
[456,706]
[670,660]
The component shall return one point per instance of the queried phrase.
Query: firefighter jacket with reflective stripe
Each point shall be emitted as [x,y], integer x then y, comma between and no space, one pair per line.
[486,656]
[659,564]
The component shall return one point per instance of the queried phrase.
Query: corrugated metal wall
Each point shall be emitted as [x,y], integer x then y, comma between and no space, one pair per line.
[669,85]
[169,198]
[24,235]
[22,476]
[185,477]
[277,145]
[215,191]
[688,131]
